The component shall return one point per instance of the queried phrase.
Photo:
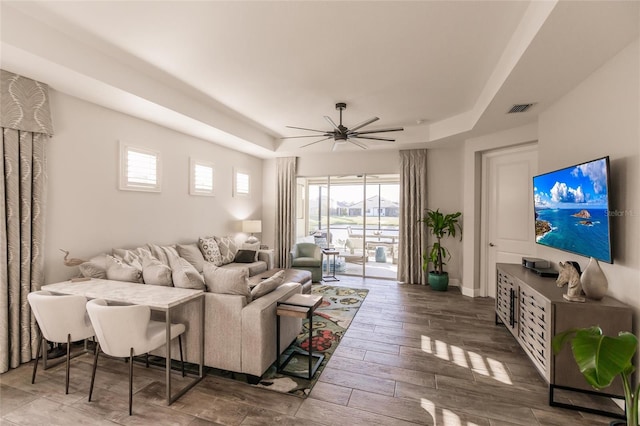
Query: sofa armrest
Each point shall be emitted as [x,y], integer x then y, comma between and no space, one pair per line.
[223,330]
[259,329]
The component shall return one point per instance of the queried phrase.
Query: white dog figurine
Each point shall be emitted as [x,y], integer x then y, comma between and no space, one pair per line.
[569,274]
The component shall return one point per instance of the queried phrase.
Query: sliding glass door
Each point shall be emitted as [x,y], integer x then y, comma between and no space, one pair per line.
[358,216]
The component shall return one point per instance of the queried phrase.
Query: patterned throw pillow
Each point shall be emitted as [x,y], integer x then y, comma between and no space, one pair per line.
[210,250]
[228,249]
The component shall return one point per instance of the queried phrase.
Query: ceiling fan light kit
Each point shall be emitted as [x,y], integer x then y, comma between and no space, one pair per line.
[342,134]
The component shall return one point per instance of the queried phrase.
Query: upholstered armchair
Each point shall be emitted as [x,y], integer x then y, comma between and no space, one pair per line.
[308,256]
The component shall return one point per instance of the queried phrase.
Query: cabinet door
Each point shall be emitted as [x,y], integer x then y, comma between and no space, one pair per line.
[506,301]
[534,327]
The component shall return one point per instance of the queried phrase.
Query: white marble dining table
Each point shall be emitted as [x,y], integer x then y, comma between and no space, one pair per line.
[158,298]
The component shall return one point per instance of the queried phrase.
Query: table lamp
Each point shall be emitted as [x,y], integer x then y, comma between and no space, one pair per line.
[251,227]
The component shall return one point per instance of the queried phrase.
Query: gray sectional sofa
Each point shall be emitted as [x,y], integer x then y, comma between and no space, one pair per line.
[239,333]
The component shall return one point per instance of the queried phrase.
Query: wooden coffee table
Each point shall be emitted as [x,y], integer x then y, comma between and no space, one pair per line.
[298,306]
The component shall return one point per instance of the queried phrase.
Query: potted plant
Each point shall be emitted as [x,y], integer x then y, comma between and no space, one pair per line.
[440,225]
[601,358]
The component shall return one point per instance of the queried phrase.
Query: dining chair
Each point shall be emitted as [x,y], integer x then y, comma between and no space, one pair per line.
[61,319]
[128,331]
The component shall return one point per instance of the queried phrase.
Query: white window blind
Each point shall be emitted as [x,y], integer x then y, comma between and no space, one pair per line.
[139,169]
[201,178]
[242,183]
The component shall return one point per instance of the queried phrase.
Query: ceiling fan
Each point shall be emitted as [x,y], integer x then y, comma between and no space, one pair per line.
[341,134]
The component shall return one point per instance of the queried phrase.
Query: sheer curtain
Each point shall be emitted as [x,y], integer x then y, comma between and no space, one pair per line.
[413,205]
[285,210]
[26,125]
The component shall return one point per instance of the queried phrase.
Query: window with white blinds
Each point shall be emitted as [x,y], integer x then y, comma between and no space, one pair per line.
[242,183]
[201,178]
[139,169]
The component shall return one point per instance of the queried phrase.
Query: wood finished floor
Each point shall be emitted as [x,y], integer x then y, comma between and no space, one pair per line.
[411,356]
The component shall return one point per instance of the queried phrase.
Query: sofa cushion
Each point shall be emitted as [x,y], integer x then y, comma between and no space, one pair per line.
[252,268]
[228,249]
[184,274]
[119,271]
[96,267]
[159,253]
[192,253]
[155,272]
[267,285]
[227,281]
[290,276]
[210,250]
[245,256]
[306,261]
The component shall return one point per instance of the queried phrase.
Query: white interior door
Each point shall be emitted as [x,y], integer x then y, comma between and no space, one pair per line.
[507,231]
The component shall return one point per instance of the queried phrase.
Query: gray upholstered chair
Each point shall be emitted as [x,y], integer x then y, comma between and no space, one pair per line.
[308,256]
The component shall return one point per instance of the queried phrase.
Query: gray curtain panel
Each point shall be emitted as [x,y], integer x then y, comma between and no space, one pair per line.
[413,205]
[26,126]
[285,210]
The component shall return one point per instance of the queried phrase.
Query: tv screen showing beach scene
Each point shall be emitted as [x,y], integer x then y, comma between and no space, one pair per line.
[572,209]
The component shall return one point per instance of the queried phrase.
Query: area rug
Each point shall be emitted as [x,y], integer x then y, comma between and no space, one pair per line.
[330,321]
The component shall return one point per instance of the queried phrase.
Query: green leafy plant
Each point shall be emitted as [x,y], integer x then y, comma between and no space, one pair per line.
[440,225]
[601,358]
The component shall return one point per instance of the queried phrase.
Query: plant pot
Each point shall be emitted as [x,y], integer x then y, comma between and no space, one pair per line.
[618,423]
[439,282]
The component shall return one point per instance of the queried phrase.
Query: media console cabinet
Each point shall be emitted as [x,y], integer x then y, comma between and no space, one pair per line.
[533,310]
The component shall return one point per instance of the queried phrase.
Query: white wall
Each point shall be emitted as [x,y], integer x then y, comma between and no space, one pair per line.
[87,214]
[601,117]
[444,192]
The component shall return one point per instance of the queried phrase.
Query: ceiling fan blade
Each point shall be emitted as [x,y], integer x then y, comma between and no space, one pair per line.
[335,126]
[302,128]
[303,146]
[335,145]
[373,138]
[364,123]
[305,136]
[394,129]
[361,145]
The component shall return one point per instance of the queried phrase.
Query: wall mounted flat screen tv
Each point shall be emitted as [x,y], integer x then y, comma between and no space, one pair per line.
[572,209]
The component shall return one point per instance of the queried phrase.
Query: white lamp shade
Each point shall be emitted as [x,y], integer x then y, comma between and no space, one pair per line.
[251,226]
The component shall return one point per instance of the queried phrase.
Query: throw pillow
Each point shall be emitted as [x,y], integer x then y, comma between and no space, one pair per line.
[157,252]
[96,267]
[184,274]
[252,246]
[118,271]
[228,249]
[227,281]
[132,257]
[210,250]
[155,272]
[192,253]
[268,285]
[245,256]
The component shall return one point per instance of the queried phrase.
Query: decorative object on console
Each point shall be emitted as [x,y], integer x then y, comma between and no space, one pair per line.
[570,275]
[252,227]
[594,282]
[73,261]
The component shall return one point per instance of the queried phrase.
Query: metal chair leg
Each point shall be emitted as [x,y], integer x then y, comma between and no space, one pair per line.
[95,365]
[130,380]
[147,359]
[66,382]
[35,365]
[181,358]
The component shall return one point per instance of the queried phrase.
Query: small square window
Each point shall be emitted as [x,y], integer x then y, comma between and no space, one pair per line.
[140,169]
[201,178]
[241,183]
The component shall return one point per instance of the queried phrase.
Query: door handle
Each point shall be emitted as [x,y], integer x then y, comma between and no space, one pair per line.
[491,245]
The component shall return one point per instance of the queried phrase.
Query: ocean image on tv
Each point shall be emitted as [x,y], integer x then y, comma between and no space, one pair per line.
[571,209]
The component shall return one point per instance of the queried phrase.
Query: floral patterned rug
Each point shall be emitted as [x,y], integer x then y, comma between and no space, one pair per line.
[330,321]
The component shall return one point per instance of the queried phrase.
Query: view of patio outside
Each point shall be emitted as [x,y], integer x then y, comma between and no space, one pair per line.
[359,217]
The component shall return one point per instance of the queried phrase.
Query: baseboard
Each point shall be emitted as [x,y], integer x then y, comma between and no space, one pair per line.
[454,282]
[470,292]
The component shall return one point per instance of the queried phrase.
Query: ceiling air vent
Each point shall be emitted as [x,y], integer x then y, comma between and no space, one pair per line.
[519,108]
